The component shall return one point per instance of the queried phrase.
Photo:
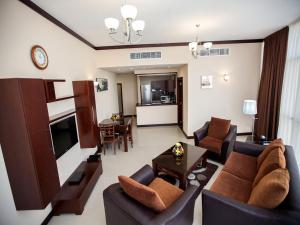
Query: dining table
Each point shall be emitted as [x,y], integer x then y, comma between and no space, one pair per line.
[121,126]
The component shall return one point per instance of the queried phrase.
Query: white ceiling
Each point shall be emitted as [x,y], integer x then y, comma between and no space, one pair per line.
[174,20]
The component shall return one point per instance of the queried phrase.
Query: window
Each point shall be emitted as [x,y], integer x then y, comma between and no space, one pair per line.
[289,119]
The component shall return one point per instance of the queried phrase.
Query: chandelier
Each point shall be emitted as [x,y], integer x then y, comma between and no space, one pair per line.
[193,46]
[132,29]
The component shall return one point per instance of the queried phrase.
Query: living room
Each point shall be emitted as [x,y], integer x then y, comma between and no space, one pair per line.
[63,64]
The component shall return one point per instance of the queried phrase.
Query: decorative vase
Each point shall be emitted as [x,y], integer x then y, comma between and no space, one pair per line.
[178,150]
[115,117]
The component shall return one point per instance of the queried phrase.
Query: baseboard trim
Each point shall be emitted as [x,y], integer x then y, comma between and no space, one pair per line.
[48,218]
[244,134]
[129,115]
[186,136]
[158,125]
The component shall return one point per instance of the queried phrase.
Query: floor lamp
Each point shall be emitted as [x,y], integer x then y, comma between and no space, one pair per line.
[250,108]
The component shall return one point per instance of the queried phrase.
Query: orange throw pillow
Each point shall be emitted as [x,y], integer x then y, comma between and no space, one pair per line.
[271,190]
[143,194]
[274,160]
[273,145]
[218,128]
[167,192]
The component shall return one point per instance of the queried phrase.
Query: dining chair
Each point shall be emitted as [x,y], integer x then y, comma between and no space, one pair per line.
[108,136]
[125,129]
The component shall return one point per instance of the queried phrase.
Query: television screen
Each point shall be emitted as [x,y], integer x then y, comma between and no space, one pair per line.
[64,135]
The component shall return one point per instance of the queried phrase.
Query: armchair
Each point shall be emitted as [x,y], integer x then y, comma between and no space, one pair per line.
[217,148]
[120,209]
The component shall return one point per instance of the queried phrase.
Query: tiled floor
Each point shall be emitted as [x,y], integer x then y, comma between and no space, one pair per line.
[148,143]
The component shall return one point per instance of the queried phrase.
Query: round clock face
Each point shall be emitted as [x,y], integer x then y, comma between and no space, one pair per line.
[39,57]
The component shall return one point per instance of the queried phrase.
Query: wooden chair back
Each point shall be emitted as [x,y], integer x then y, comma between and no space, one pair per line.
[107,131]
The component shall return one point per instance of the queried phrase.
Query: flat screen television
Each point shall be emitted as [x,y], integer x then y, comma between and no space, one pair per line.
[64,135]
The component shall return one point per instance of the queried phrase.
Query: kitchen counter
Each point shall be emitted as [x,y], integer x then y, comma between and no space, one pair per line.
[155,104]
[157,114]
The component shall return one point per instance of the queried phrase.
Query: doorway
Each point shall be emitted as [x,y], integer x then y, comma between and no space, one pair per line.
[180,101]
[120,97]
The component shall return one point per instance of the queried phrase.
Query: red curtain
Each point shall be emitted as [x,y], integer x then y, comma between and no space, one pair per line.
[268,103]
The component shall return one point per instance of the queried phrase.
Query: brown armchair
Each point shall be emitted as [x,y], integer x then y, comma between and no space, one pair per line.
[218,137]
[120,209]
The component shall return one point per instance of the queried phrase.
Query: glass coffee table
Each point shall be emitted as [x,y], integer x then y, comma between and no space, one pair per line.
[181,167]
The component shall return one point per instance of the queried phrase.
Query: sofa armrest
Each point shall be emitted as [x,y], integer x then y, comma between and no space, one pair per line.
[229,141]
[231,136]
[233,212]
[181,211]
[201,133]
[248,148]
[144,176]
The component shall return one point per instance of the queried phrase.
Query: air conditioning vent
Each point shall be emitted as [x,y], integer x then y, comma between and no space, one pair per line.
[215,52]
[145,55]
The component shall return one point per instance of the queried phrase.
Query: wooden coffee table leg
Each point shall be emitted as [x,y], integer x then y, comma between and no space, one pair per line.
[204,161]
[182,182]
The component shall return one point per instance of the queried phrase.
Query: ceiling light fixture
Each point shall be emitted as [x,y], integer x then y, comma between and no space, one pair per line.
[131,27]
[193,46]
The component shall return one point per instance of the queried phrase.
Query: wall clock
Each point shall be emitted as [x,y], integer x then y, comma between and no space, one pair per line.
[39,57]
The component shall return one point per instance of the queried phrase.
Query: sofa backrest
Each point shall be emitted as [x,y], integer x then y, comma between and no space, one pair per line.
[292,201]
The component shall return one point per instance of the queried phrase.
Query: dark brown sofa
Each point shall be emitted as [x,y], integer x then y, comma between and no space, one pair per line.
[120,209]
[221,149]
[218,209]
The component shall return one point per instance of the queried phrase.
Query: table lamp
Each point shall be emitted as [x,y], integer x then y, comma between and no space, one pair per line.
[250,108]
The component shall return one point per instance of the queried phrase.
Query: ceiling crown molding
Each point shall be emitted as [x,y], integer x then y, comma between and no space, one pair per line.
[176,44]
[46,15]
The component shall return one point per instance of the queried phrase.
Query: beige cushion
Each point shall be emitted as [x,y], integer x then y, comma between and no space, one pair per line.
[241,165]
[143,194]
[212,144]
[273,145]
[232,186]
[218,128]
[166,191]
[274,160]
[271,189]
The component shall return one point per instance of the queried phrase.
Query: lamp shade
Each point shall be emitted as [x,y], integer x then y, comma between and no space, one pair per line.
[128,11]
[111,23]
[138,25]
[249,107]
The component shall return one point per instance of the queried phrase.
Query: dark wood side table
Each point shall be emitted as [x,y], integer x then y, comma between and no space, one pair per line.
[180,168]
[257,140]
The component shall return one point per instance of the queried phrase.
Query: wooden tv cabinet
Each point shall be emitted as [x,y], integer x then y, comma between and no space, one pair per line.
[72,198]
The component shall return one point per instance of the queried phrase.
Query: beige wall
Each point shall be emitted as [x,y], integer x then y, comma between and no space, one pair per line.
[225,99]
[69,59]
[107,101]
[130,92]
